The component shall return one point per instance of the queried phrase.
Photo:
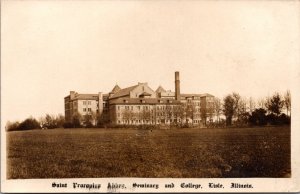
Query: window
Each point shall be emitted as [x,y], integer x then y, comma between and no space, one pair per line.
[84,102]
[89,102]
[118,107]
[84,109]
[89,110]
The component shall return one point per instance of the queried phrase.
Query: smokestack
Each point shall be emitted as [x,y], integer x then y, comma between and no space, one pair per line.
[177,86]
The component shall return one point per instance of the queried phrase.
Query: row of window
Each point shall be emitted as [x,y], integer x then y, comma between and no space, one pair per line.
[153,121]
[147,121]
[145,107]
[157,115]
[87,109]
[90,102]
[87,102]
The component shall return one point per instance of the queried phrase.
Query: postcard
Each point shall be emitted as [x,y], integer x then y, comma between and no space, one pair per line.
[150,96]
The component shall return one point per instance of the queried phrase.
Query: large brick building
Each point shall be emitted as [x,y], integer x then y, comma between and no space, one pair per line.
[139,104]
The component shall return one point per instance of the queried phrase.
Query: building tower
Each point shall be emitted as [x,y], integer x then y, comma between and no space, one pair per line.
[177,86]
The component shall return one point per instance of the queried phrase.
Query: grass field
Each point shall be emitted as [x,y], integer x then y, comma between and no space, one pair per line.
[203,153]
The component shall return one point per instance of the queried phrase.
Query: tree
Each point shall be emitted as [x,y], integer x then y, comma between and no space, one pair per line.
[242,114]
[178,112]
[145,114]
[236,105]
[258,117]
[168,113]
[12,126]
[42,121]
[229,108]
[275,104]
[29,123]
[60,120]
[127,115]
[261,103]
[50,122]
[76,119]
[287,102]
[102,119]
[89,119]
[204,114]
[217,108]
[210,109]
[252,105]
[190,110]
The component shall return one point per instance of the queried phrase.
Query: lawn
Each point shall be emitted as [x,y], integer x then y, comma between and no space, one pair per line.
[203,153]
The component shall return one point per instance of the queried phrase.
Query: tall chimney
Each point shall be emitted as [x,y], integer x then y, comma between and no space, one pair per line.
[177,86]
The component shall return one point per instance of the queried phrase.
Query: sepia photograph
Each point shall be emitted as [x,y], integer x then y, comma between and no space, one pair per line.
[150,96]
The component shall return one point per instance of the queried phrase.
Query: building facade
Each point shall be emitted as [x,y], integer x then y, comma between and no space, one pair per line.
[140,105]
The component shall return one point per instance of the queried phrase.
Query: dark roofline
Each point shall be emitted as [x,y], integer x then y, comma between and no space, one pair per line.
[126,93]
[137,101]
[198,95]
[86,96]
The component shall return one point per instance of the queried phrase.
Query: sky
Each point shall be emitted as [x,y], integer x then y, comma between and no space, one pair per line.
[51,47]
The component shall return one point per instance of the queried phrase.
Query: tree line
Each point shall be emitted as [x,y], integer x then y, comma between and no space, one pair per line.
[58,121]
[46,122]
[269,110]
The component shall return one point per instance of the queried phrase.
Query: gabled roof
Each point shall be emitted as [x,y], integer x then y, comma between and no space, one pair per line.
[160,89]
[124,92]
[115,89]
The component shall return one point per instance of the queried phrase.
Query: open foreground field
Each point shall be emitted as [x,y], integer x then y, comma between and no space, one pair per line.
[203,153]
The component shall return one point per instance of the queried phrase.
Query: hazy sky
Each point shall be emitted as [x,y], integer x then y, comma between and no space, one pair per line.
[51,47]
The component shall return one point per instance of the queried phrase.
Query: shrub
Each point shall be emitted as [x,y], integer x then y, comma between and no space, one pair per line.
[258,117]
[272,119]
[284,119]
[29,123]
[14,126]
